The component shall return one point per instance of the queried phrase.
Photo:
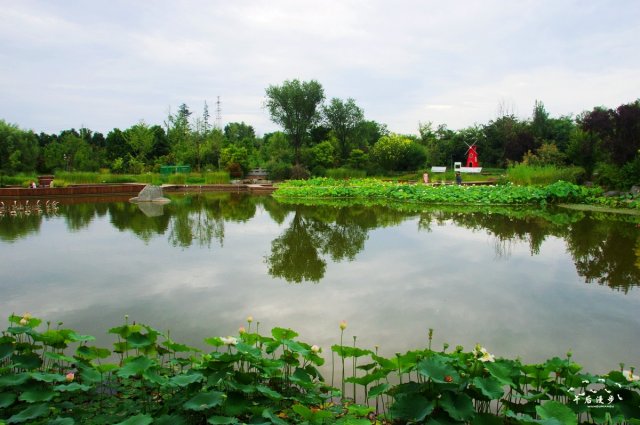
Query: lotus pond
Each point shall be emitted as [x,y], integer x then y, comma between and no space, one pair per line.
[527,283]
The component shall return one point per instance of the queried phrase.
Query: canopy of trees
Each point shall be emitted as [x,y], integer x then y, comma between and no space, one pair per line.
[317,137]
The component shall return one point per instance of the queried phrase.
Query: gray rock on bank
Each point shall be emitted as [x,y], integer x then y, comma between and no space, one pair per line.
[150,193]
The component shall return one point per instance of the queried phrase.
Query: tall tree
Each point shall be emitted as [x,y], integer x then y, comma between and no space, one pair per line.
[140,138]
[294,106]
[19,149]
[344,119]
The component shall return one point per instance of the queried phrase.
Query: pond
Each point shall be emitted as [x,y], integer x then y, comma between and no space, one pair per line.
[528,283]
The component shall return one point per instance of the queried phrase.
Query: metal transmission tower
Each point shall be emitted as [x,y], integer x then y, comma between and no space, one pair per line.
[218,114]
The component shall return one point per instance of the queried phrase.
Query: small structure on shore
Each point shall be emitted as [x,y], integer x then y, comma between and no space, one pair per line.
[473,165]
[150,193]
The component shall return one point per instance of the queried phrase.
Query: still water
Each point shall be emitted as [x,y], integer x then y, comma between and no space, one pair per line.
[529,283]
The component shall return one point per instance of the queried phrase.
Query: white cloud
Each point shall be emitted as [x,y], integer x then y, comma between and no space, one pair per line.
[110,64]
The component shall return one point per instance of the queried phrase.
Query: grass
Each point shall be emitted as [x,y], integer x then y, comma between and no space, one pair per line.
[528,175]
[66,178]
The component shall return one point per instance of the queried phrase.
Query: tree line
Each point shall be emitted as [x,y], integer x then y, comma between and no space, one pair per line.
[318,135]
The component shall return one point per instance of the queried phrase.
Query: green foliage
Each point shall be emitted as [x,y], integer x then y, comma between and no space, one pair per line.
[343,118]
[294,105]
[524,174]
[547,154]
[559,192]
[395,152]
[252,377]
[216,177]
[346,173]
[177,179]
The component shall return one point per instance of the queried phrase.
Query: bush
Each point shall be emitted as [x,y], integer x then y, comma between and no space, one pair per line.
[298,172]
[621,178]
[235,170]
[319,171]
[345,173]
[279,171]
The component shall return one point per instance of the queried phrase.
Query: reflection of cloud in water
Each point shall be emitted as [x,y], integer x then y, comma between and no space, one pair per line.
[404,282]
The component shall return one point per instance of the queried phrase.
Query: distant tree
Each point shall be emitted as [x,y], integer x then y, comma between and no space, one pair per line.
[161,146]
[116,145]
[343,118]
[358,159]
[547,154]
[321,155]
[19,149]
[368,133]
[233,154]
[294,106]
[438,144]
[70,152]
[583,150]
[398,153]
[540,126]
[507,139]
[140,138]
[179,135]
[239,133]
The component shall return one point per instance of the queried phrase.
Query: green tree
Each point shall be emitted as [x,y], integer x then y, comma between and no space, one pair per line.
[239,133]
[233,154]
[19,149]
[179,135]
[294,106]
[321,155]
[140,138]
[70,152]
[116,145]
[368,133]
[344,119]
[398,153]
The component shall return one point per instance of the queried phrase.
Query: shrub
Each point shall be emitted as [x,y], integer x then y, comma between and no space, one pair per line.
[298,172]
[346,173]
[279,171]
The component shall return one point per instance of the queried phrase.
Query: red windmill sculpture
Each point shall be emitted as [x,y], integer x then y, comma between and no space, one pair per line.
[472,156]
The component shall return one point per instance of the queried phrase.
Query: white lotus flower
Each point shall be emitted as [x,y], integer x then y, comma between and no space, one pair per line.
[631,377]
[315,349]
[483,355]
[229,340]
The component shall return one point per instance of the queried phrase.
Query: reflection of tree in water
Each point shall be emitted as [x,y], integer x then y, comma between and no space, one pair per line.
[339,232]
[605,252]
[505,225]
[127,216]
[605,248]
[200,218]
[196,221]
[18,227]
[294,255]
[79,216]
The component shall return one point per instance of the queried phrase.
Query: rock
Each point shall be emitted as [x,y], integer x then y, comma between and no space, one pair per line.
[612,193]
[635,191]
[150,193]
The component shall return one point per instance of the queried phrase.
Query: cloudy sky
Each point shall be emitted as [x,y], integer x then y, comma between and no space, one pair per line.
[110,63]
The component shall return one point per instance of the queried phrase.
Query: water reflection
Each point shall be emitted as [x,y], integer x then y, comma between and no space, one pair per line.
[605,248]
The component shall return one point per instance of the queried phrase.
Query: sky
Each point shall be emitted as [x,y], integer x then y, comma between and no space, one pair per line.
[105,64]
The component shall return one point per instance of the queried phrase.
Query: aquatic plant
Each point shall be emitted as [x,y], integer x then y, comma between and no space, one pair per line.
[56,376]
[504,194]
